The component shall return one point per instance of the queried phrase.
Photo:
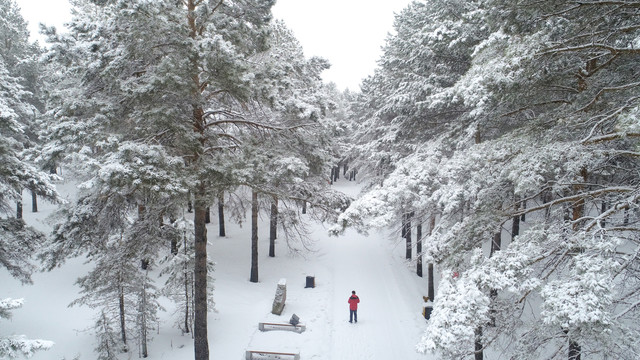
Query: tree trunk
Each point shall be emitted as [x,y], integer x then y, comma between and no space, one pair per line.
[577,213]
[222,231]
[496,244]
[254,237]
[407,234]
[174,247]
[479,354]
[574,350]
[143,322]
[19,209]
[207,216]
[403,226]
[201,341]
[187,298]
[419,249]
[189,203]
[304,206]
[431,287]
[515,227]
[123,325]
[34,201]
[144,262]
[273,226]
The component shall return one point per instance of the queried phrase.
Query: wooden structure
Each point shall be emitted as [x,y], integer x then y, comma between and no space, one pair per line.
[264,326]
[249,354]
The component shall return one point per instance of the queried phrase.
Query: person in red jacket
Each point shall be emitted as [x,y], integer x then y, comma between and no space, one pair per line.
[353,306]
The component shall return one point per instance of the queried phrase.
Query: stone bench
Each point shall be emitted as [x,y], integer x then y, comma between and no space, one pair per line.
[265,326]
[249,354]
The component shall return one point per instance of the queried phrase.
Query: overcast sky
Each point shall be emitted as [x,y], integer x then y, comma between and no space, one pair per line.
[349,33]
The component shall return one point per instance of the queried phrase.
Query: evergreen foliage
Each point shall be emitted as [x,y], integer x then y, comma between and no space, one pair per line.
[18,105]
[514,108]
[206,98]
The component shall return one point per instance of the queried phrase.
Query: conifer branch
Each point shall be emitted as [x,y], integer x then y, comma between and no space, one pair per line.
[610,137]
[577,197]
[611,49]
[610,89]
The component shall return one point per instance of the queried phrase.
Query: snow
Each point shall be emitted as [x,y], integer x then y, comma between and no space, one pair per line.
[390,312]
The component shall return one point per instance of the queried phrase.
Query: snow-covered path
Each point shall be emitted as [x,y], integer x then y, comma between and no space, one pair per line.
[389,317]
[389,310]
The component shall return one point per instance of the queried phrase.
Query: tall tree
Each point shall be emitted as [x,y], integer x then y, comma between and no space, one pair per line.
[185,95]
[17,107]
[513,99]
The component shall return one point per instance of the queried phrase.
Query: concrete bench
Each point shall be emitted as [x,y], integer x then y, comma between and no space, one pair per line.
[265,326]
[249,354]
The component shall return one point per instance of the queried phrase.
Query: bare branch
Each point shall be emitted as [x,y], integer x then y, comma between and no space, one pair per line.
[609,89]
[630,308]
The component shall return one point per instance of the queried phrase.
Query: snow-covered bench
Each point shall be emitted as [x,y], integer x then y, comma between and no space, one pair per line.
[249,354]
[265,326]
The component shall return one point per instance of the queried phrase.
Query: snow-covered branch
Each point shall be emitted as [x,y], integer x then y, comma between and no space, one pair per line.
[9,304]
[623,205]
[609,137]
[17,345]
[610,89]
[627,310]
[608,48]
[577,197]
[579,4]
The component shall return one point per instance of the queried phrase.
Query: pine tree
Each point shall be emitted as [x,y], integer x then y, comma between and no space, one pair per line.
[165,93]
[179,285]
[528,100]
[15,346]
[19,241]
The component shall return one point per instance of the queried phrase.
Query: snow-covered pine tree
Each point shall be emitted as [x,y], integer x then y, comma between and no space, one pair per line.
[17,110]
[111,287]
[148,90]
[15,346]
[285,164]
[180,276]
[19,241]
[146,311]
[108,344]
[537,112]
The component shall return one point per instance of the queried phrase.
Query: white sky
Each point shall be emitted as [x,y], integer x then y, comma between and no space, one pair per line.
[349,33]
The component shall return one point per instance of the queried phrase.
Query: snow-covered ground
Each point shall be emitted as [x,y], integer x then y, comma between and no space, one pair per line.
[389,325]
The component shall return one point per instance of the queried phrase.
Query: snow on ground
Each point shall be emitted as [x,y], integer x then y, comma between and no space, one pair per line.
[389,316]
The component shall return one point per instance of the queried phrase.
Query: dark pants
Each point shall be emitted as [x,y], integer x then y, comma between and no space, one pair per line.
[353,315]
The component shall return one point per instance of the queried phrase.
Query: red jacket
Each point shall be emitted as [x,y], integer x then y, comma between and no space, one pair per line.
[353,302]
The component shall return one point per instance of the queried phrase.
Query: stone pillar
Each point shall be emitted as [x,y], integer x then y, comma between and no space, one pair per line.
[281,297]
